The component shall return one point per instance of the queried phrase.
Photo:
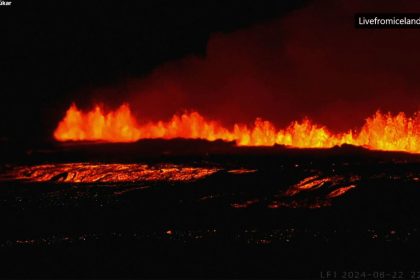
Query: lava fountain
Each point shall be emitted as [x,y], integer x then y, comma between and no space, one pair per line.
[382,131]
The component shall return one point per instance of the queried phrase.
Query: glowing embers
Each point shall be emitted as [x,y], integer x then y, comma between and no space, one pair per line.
[311,192]
[110,173]
[315,182]
[242,171]
[380,131]
[340,191]
[314,192]
[245,204]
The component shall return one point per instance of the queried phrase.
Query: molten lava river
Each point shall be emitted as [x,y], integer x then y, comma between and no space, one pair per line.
[380,131]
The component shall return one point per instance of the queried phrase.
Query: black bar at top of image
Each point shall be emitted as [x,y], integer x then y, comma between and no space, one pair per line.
[387,20]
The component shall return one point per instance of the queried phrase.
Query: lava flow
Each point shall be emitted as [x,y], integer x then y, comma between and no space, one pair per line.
[106,173]
[380,131]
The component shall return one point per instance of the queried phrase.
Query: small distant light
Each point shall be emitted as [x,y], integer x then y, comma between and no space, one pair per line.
[169,232]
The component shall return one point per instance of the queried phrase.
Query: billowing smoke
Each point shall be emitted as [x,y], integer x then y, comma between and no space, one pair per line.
[313,62]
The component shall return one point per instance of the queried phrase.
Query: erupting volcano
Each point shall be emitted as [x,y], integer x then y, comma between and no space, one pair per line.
[193,139]
[380,132]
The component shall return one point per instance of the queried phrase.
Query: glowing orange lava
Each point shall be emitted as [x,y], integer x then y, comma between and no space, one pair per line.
[106,173]
[380,131]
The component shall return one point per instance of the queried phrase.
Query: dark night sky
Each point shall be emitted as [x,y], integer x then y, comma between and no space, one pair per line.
[231,60]
[56,52]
